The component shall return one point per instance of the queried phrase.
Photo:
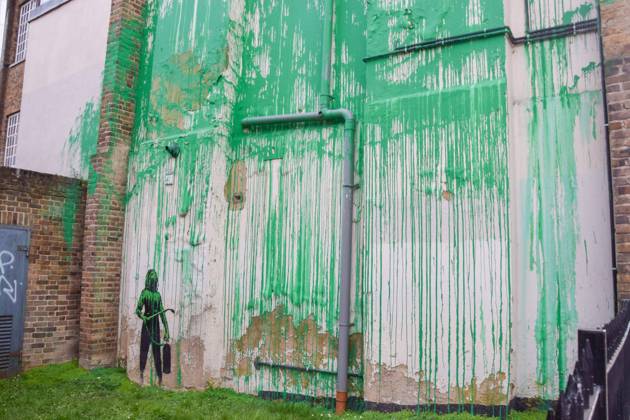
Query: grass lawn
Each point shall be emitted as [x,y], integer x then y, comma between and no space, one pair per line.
[69,392]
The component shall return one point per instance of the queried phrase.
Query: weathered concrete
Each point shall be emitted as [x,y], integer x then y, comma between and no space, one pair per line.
[62,89]
[482,223]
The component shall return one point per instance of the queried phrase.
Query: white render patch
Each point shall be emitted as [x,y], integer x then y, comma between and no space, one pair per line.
[63,76]
[212,265]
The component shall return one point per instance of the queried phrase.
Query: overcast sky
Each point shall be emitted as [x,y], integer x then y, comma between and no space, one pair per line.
[3,11]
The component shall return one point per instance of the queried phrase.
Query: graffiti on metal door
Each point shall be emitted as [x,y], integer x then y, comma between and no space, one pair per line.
[10,289]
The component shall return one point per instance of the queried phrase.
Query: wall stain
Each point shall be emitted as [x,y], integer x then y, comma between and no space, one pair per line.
[235,189]
[395,384]
[433,285]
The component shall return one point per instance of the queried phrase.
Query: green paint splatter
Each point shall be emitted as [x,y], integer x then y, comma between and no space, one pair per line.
[84,137]
[71,207]
[578,14]
[435,238]
[552,207]
[433,230]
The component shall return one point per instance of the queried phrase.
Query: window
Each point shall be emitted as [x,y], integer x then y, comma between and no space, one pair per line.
[25,13]
[10,149]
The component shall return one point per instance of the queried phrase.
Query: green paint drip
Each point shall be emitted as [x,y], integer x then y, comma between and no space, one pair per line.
[71,206]
[84,137]
[282,248]
[180,98]
[436,203]
[552,200]
[125,38]
[549,13]
[432,159]
[578,14]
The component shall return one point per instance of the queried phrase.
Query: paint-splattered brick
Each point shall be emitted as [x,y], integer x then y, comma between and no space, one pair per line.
[107,187]
[52,207]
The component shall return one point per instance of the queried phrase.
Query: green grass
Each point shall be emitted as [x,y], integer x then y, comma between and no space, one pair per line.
[69,392]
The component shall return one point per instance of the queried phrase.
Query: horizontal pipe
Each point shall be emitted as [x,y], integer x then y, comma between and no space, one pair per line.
[251,122]
[434,43]
[258,364]
[326,115]
[531,37]
[557,32]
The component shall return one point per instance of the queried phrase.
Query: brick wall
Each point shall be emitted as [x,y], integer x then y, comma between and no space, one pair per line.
[12,76]
[53,208]
[616,37]
[105,213]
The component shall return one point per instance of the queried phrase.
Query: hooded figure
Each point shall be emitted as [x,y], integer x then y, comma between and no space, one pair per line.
[151,301]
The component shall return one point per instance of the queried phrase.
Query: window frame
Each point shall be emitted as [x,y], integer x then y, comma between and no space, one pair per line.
[21,40]
[11,139]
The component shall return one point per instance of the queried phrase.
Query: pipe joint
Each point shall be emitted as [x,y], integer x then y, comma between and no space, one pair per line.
[340,114]
[341,404]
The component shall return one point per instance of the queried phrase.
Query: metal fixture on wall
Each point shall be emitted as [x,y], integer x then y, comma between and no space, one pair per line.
[258,364]
[327,115]
[173,150]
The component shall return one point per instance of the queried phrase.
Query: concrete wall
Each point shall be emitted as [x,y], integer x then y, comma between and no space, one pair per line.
[560,218]
[62,87]
[175,206]
[482,233]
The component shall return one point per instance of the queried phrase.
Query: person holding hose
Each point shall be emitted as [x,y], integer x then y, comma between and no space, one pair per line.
[151,301]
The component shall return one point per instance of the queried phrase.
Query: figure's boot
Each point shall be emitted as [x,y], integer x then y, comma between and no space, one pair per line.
[142,377]
[160,381]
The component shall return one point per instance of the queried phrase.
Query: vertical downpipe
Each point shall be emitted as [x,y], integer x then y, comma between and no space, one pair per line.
[325,99]
[325,114]
[346,266]
[327,36]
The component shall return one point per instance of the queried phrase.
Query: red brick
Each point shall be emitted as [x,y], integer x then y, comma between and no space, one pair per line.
[53,264]
[616,37]
[104,228]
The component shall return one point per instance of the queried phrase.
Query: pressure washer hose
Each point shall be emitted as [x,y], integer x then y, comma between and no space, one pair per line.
[145,320]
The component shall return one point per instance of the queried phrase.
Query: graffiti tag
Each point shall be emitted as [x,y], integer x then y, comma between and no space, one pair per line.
[11,289]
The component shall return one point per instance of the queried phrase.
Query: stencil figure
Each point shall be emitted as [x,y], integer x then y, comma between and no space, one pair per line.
[151,301]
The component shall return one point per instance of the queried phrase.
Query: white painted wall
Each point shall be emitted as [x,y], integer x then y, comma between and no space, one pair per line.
[593,278]
[63,74]
[197,279]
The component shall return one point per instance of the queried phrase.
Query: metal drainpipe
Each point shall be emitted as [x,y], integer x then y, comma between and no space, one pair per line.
[527,18]
[327,39]
[347,117]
